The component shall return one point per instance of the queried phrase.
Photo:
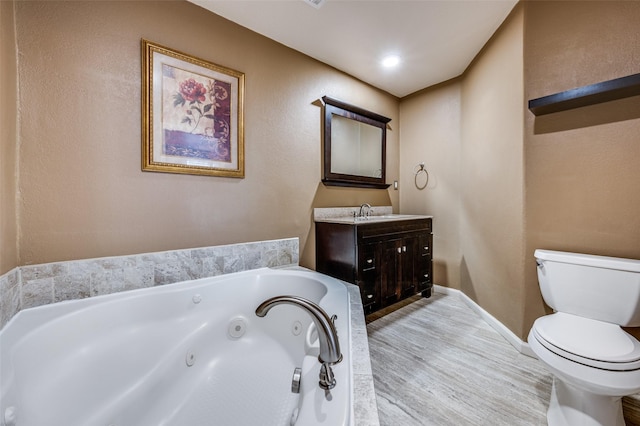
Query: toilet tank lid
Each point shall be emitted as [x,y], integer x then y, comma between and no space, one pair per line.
[618,263]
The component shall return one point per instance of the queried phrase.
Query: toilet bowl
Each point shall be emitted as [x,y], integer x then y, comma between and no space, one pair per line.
[593,360]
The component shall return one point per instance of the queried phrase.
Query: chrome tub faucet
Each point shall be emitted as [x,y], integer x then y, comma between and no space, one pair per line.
[327,335]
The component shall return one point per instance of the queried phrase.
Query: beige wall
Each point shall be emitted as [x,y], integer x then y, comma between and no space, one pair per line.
[469,133]
[566,181]
[82,193]
[431,134]
[491,218]
[8,145]
[502,182]
[582,166]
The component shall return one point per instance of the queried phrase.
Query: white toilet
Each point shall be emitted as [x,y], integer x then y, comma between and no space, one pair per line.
[594,362]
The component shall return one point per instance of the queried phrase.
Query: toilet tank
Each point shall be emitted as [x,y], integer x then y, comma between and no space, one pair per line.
[596,287]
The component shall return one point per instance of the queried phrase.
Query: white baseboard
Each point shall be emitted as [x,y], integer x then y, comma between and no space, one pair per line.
[520,345]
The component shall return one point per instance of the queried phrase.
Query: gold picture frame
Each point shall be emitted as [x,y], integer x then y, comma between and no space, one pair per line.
[192,114]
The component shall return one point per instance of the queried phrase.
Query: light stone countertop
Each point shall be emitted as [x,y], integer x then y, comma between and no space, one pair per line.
[349,215]
[328,213]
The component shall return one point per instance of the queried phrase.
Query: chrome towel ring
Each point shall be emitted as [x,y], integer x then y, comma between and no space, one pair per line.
[417,171]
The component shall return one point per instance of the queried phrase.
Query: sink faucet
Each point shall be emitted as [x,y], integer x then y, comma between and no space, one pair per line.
[327,335]
[362,206]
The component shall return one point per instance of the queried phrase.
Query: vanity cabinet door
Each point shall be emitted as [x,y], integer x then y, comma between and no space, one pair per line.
[408,260]
[398,278]
[390,270]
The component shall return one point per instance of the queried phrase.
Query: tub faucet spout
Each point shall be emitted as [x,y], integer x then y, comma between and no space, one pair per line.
[327,335]
[327,380]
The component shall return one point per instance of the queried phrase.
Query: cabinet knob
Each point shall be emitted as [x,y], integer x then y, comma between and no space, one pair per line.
[404,248]
[426,248]
[369,296]
[399,250]
[369,261]
[426,275]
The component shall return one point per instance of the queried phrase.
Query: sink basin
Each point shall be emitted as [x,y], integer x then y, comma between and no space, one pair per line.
[374,218]
[346,215]
[383,217]
[393,216]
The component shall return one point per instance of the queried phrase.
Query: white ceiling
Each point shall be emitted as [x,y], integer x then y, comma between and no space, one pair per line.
[436,39]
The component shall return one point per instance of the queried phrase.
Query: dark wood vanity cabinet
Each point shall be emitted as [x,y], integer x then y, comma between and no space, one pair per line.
[388,260]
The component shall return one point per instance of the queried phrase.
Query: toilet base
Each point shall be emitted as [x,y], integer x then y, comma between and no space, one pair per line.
[571,406]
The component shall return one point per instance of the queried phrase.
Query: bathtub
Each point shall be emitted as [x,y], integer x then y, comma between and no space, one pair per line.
[187,354]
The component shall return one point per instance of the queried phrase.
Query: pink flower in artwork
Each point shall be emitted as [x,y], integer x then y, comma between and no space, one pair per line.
[194,94]
[192,91]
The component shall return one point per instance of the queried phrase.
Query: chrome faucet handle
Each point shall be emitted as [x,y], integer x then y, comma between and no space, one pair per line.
[327,379]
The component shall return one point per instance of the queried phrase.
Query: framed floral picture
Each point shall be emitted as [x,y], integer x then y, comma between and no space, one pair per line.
[192,114]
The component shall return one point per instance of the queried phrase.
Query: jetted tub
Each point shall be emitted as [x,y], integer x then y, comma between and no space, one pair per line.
[186,354]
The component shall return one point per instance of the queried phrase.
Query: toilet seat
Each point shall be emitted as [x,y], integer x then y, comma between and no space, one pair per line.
[589,342]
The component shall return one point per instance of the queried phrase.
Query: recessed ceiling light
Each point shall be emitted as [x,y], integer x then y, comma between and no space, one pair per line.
[390,61]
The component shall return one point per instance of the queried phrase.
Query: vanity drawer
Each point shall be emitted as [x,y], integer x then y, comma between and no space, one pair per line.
[368,276]
[424,273]
[382,231]
[368,293]
[367,257]
[425,241]
[425,281]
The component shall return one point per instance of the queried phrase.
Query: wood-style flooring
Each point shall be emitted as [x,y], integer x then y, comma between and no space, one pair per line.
[436,362]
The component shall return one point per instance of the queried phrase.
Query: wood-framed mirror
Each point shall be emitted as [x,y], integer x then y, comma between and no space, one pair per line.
[354,146]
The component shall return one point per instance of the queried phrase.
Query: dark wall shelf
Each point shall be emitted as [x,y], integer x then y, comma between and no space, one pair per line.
[592,94]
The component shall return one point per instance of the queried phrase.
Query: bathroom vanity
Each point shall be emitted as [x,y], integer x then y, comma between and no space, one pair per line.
[388,256]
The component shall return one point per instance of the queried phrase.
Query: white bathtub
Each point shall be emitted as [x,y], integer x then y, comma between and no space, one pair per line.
[186,354]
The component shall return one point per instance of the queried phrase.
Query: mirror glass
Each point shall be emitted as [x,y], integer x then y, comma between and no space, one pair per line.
[354,146]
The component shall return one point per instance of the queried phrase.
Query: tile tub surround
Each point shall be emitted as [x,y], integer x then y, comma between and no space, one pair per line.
[113,274]
[35,285]
[9,295]
[364,396]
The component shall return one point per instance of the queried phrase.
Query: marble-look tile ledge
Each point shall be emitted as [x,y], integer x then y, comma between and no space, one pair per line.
[35,285]
[365,405]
